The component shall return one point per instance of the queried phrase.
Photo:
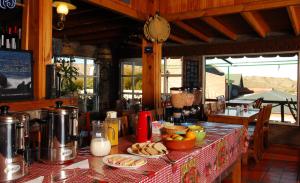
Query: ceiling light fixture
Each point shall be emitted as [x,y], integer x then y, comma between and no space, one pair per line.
[62,9]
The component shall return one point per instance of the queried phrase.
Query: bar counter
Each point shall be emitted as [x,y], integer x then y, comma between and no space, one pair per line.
[219,153]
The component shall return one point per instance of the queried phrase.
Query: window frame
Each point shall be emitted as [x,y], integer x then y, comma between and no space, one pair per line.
[133,62]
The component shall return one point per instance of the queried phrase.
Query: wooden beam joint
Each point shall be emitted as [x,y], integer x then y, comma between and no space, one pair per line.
[192,31]
[257,22]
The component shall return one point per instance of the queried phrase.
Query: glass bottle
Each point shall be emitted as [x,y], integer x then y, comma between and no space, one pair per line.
[100,145]
[112,127]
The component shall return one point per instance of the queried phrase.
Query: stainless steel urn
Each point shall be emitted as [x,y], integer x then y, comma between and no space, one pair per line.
[12,164]
[59,134]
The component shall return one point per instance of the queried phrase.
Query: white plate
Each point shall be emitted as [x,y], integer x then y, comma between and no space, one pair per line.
[129,150]
[105,161]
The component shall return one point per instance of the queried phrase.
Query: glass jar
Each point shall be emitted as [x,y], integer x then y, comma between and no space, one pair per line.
[100,145]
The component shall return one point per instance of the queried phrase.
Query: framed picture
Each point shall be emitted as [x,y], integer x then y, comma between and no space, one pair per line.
[16,75]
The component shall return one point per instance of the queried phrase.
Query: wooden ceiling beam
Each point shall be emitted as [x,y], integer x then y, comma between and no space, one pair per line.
[294,14]
[70,23]
[98,36]
[177,39]
[242,7]
[220,27]
[257,22]
[192,31]
[96,28]
[117,6]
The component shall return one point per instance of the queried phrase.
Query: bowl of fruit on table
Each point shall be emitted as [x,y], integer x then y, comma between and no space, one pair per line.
[180,141]
[199,131]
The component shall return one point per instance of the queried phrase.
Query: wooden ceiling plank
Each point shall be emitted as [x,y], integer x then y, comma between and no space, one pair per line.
[177,39]
[242,7]
[295,19]
[257,22]
[193,31]
[220,27]
[119,7]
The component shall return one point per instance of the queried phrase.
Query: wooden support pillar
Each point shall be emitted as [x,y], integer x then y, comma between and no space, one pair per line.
[151,77]
[39,41]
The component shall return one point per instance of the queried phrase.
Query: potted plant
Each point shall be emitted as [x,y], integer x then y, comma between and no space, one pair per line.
[68,75]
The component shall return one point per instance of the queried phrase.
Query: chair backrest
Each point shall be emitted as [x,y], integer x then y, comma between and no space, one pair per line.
[293,108]
[213,107]
[268,111]
[124,125]
[258,132]
[221,105]
[258,102]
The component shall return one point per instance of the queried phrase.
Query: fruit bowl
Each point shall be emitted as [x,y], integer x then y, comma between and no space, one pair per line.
[199,132]
[180,145]
[174,129]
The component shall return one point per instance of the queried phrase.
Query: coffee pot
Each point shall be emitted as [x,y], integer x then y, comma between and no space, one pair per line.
[12,138]
[144,126]
[59,134]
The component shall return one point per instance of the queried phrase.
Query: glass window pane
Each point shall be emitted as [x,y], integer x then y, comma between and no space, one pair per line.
[127,96]
[162,85]
[127,69]
[90,68]
[90,85]
[79,64]
[127,83]
[174,82]
[137,84]
[137,96]
[80,83]
[138,70]
[174,66]
[162,66]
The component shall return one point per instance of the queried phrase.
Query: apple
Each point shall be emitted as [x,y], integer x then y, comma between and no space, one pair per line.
[179,138]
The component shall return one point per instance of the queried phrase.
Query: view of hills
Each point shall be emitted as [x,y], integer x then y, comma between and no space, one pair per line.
[280,84]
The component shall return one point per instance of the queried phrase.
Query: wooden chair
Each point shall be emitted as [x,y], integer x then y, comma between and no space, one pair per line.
[293,108]
[266,128]
[213,107]
[124,126]
[258,102]
[256,137]
[205,111]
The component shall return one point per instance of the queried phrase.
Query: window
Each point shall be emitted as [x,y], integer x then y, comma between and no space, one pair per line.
[171,74]
[131,80]
[87,82]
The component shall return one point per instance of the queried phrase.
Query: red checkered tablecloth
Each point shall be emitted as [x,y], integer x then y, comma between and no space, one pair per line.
[223,145]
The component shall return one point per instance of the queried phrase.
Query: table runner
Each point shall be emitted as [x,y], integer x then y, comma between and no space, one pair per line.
[223,145]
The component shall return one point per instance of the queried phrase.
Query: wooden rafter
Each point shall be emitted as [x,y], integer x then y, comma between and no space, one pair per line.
[242,7]
[192,31]
[177,39]
[257,22]
[220,27]
[88,30]
[294,15]
[119,7]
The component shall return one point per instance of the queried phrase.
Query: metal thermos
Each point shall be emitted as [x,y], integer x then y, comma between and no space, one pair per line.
[12,164]
[59,134]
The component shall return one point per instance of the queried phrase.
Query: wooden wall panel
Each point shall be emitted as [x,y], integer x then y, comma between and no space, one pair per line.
[40,42]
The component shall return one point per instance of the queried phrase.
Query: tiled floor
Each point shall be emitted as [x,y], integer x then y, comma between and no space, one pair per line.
[279,165]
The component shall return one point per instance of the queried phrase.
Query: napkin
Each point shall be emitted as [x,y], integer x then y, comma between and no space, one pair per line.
[81,164]
[36,180]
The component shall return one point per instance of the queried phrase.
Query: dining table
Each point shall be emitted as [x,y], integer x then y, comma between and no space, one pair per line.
[213,158]
[236,102]
[234,115]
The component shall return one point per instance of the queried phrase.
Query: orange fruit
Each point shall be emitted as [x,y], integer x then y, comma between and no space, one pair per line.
[190,135]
